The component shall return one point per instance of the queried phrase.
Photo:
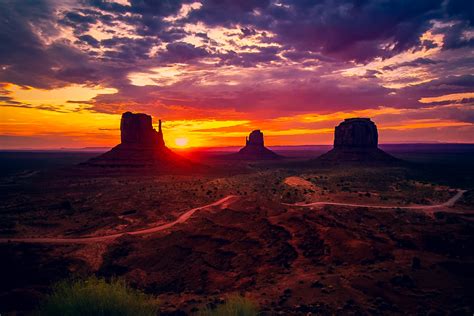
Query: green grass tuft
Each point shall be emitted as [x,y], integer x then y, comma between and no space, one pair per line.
[95,296]
[234,306]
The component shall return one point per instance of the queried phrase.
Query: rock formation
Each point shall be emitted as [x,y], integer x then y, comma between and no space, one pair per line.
[356,140]
[137,128]
[255,149]
[356,132]
[141,146]
[255,139]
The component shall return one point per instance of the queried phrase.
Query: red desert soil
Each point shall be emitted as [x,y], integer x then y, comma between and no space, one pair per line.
[222,204]
[236,236]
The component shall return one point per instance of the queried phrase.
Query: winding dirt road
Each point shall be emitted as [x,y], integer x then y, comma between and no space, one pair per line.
[448,203]
[222,203]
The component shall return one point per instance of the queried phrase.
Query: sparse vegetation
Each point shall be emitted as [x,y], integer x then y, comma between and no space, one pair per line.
[94,296]
[252,240]
[234,306]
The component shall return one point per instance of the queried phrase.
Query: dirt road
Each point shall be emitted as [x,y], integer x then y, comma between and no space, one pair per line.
[448,203]
[222,203]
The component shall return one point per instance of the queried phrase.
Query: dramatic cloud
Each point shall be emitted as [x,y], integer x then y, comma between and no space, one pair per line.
[253,61]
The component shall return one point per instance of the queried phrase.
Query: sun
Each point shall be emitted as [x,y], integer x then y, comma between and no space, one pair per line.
[181,141]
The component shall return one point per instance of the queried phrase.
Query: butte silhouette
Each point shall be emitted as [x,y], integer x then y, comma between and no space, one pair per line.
[141,146]
[356,140]
[255,149]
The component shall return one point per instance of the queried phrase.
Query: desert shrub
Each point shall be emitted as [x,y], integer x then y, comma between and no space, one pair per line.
[234,306]
[95,296]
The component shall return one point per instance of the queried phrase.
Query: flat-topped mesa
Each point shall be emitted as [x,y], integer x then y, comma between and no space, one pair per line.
[137,128]
[356,132]
[356,141]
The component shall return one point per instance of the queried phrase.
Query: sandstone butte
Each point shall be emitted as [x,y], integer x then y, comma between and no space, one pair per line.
[141,146]
[356,140]
[255,149]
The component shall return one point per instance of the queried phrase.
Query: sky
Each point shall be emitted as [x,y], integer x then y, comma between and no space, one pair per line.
[215,70]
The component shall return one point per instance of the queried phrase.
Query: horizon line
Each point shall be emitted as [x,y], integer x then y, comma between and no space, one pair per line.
[96,148]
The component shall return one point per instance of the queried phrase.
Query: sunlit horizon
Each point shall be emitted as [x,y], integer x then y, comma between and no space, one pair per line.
[69,70]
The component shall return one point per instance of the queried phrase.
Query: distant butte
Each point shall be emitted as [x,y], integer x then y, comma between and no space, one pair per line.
[141,146]
[255,149]
[356,140]
[137,128]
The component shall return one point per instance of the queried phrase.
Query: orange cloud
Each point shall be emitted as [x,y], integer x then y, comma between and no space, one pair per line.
[448,97]
[425,123]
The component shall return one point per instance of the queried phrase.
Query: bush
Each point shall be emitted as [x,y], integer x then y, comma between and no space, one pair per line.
[233,306]
[95,296]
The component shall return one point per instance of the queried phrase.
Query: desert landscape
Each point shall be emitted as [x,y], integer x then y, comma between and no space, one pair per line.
[294,235]
[236,157]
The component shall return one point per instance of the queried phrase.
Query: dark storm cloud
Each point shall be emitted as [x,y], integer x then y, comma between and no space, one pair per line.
[414,63]
[300,55]
[90,40]
[371,73]
[146,15]
[455,38]
[461,9]
[19,44]
[343,29]
[460,82]
[5,100]
[427,44]
[44,107]
[347,30]
[328,35]
[28,61]
[180,52]
[127,50]
[75,18]
[437,87]
[249,59]
[230,12]
[81,19]
[356,31]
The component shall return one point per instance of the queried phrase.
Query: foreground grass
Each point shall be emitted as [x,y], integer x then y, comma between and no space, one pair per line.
[234,306]
[95,296]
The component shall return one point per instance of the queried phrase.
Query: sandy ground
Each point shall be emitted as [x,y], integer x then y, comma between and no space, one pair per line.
[366,241]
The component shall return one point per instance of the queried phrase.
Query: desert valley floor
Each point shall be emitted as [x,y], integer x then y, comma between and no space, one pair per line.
[297,237]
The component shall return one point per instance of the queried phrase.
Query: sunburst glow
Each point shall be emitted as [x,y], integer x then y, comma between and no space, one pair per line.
[181,142]
[291,68]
